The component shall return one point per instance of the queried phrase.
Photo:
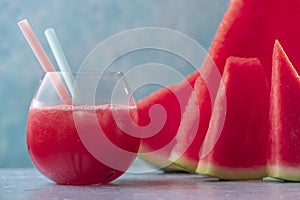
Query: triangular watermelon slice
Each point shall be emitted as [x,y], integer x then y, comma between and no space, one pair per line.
[238,149]
[248,29]
[284,145]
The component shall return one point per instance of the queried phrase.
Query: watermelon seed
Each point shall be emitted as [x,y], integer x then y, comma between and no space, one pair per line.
[111,174]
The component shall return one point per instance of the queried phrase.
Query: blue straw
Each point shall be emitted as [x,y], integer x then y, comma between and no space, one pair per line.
[62,63]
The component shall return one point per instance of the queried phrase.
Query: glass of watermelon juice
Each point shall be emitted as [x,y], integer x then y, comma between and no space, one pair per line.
[90,140]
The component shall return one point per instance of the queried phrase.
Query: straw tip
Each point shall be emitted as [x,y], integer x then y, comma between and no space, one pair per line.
[22,21]
[49,30]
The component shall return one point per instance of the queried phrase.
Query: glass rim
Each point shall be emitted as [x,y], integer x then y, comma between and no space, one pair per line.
[119,73]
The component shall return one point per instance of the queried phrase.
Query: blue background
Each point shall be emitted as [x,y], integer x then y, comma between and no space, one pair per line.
[80,26]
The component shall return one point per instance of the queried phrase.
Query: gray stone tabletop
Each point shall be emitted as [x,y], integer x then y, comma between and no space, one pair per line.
[19,184]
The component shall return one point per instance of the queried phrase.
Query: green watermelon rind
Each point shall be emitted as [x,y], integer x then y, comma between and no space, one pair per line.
[158,159]
[226,173]
[286,173]
[183,162]
[169,168]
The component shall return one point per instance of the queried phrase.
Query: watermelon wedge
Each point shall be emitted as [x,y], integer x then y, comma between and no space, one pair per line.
[284,144]
[238,149]
[156,149]
[185,152]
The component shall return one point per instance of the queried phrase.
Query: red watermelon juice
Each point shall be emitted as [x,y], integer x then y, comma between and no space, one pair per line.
[57,150]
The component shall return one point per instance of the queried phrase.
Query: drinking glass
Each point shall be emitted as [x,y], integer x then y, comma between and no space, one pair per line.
[90,138]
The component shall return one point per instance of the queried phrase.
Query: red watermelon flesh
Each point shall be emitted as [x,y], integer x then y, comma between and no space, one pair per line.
[284,144]
[238,149]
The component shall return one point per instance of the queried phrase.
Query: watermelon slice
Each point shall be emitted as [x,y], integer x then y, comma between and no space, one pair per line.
[248,29]
[239,150]
[156,149]
[192,130]
[284,145]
